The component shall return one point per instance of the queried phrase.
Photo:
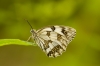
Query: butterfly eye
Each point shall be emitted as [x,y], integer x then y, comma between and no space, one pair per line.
[32,31]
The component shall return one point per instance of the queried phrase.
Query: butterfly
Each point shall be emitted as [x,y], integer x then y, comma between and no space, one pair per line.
[53,40]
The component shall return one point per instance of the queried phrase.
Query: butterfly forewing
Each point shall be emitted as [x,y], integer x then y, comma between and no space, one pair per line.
[53,40]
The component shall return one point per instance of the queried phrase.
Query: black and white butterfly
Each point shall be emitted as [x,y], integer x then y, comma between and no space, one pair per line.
[53,40]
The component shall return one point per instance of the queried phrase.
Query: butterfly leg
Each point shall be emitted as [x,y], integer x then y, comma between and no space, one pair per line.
[29,38]
[33,43]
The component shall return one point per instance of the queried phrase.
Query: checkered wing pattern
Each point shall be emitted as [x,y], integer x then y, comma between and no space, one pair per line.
[53,40]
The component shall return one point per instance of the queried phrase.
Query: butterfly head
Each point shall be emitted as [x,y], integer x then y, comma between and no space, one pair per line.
[33,32]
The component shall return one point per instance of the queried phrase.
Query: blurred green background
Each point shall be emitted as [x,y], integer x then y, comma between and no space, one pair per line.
[83,15]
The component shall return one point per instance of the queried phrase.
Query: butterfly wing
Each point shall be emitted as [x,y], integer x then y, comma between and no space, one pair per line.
[53,40]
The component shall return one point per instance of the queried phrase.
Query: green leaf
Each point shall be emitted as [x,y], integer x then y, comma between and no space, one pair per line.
[4,42]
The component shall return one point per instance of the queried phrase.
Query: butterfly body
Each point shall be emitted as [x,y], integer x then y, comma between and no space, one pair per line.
[53,40]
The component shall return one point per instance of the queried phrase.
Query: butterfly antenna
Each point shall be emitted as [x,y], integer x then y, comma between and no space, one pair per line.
[29,24]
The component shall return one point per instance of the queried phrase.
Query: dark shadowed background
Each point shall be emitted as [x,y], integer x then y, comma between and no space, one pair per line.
[83,15]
